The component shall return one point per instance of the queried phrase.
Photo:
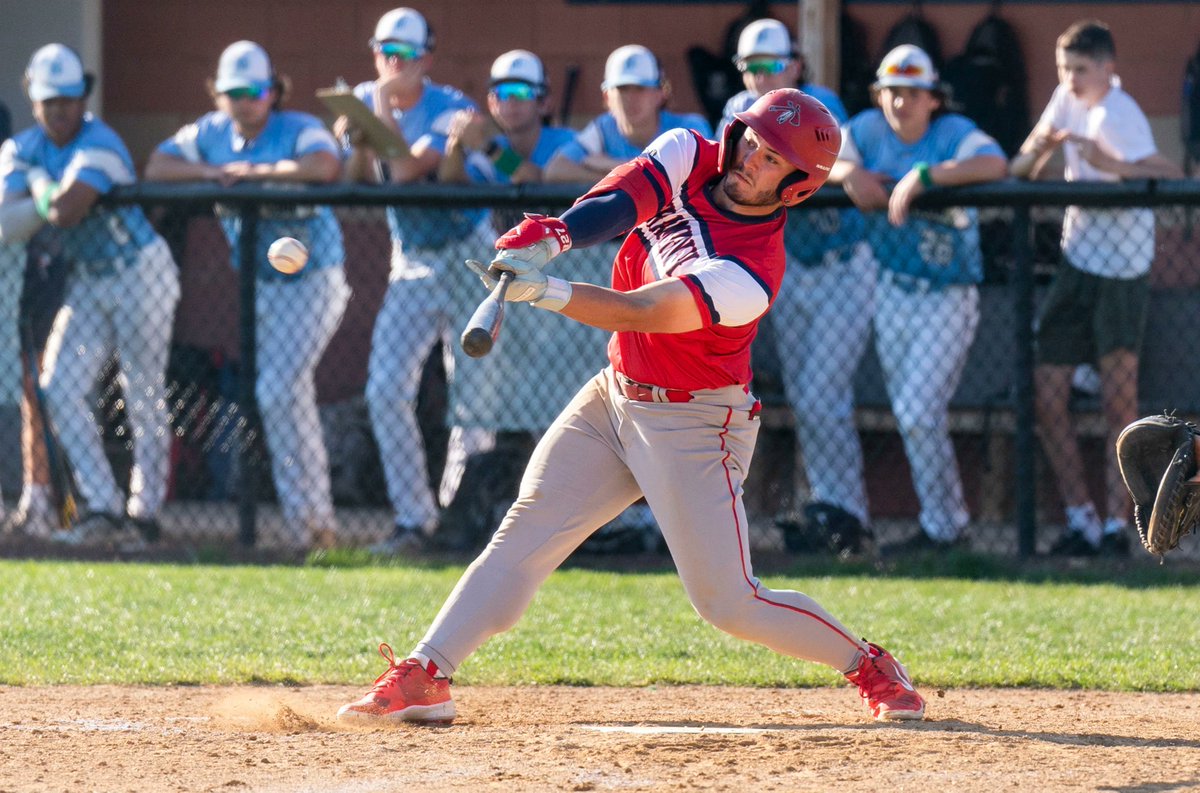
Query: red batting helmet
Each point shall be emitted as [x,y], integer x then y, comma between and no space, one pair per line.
[797,126]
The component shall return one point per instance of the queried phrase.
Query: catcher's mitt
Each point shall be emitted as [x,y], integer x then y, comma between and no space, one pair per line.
[1157,459]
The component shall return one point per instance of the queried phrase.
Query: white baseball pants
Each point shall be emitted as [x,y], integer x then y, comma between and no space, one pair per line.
[602,453]
[923,338]
[12,274]
[295,322]
[822,320]
[127,314]
[416,314]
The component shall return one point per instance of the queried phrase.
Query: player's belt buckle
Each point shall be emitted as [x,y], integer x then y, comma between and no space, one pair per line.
[640,392]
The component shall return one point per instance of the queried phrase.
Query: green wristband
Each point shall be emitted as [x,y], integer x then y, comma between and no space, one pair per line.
[507,162]
[922,169]
[43,201]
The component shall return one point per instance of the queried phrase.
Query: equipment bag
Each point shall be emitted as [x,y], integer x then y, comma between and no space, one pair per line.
[987,83]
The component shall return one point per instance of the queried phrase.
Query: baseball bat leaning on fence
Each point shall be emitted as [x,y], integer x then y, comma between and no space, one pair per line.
[568,95]
[484,327]
[62,480]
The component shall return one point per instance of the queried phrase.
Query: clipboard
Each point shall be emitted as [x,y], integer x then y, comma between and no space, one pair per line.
[342,102]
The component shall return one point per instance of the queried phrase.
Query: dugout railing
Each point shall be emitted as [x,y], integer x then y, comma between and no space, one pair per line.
[224,480]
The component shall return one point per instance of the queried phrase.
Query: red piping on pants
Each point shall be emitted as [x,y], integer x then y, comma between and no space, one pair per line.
[737,525]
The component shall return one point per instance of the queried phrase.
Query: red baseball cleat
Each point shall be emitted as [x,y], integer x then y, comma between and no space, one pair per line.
[407,691]
[885,687]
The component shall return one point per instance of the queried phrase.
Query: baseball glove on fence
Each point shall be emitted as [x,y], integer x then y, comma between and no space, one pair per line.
[1158,459]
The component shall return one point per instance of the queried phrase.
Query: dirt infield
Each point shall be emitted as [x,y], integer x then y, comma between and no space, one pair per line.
[555,738]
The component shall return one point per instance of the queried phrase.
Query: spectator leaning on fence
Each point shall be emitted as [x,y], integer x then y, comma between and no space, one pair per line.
[511,144]
[635,93]
[1095,310]
[821,318]
[18,222]
[249,138]
[119,304]
[927,303]
[416,311]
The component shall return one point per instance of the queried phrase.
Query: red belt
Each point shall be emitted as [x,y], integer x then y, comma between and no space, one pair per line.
[639,392]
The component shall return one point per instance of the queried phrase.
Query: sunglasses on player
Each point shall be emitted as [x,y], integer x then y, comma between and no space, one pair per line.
[904,70]
[398,49]
[772,66]
[254,92]
[519,92]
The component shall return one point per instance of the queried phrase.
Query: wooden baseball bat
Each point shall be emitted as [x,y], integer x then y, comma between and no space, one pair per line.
[483,329]
[62,480]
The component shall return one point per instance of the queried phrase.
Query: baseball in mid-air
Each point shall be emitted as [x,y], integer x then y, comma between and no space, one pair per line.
[287,255]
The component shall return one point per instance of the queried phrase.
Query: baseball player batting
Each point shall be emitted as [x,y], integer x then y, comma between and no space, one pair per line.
[672,417]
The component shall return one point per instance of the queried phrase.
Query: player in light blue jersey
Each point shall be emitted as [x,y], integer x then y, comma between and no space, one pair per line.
[821,320]
[511,144]
[249,138]
[428,246]
[927,302]
[120,301]
[634,93]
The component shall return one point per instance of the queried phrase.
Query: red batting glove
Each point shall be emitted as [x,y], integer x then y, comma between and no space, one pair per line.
[534,229]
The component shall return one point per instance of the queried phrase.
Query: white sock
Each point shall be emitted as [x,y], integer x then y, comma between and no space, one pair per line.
[1083,518]
[1114,526]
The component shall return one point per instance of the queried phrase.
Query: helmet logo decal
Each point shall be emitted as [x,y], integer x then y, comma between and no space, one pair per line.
[788,114]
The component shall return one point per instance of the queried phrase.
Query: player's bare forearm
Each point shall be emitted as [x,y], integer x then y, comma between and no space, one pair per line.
[415,166]
[1028,164]
[453,167]
[560,170]
[661,307]
[167,168]
[361,166]
[72,204]
[973,170]
[318,167]
[1155,166]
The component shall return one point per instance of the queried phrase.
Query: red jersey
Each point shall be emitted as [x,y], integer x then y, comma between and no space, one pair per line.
[733,264]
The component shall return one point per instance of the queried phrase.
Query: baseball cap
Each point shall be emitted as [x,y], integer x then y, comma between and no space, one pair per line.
[520,66]
[55,70]
[907,66]
[632,64]
[243,64]
[764,37]
[404,25]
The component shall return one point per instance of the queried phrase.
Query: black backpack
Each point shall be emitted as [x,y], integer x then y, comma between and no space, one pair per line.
[987,83]
[856,72]
[1189,113]
[914,29]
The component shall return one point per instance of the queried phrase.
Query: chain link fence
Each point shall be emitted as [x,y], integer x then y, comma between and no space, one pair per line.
[232,407]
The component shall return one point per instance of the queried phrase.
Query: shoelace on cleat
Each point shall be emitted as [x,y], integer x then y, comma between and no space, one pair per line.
[395,671]
[878,684]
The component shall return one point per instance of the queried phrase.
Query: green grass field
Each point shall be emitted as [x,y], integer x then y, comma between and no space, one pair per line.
[976,625]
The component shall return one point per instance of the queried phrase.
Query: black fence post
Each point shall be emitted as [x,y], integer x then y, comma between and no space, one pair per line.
[248,375]
[1025,437]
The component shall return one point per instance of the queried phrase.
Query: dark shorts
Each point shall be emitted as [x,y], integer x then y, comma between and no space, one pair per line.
[1084,317]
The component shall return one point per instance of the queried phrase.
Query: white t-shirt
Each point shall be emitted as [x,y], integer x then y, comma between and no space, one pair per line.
[1116,243]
